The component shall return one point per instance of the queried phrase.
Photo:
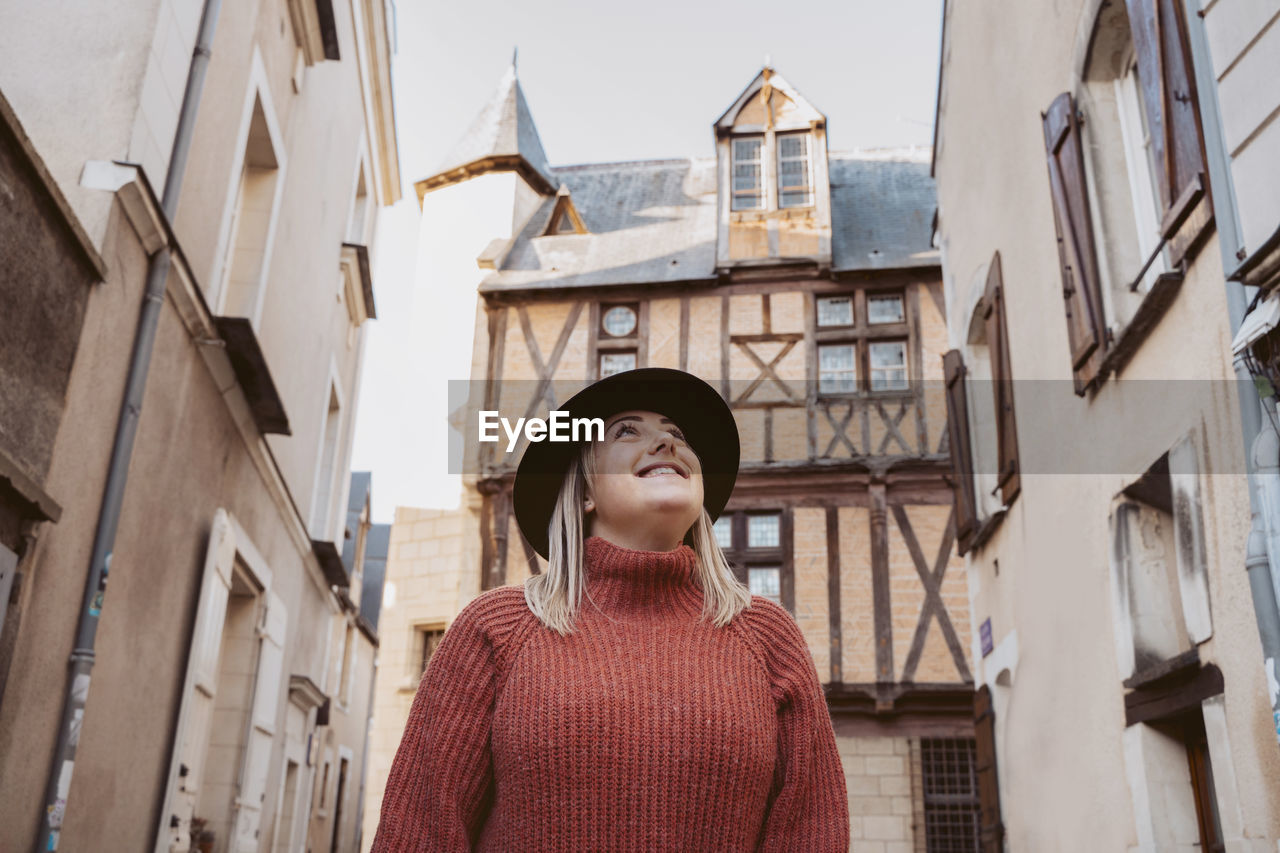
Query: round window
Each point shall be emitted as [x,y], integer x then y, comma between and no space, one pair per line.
[619,320]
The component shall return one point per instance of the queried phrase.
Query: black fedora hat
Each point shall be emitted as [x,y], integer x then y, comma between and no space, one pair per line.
[696,407]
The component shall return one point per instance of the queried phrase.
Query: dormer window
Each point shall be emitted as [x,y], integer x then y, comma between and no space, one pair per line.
[748,183]
[795,184]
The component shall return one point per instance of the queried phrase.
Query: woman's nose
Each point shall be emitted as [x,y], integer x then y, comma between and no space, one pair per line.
[663,439]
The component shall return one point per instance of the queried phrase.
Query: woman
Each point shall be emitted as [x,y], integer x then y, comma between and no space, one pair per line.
[634,696]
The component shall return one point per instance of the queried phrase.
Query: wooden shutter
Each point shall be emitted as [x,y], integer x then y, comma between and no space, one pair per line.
[1002,375]
[1169,99]
[984,730]
[1081,290]
[196,714]
[954,373]
[268,687]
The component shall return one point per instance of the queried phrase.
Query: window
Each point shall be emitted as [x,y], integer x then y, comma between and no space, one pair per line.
[888,365]
[885,308]
[619,320]
[245,264]
[616,362]
[748,183]
[1128,183]
[326,470]
[763,530]
[862,334]
[724,531]
[425,641]
[756,544]
[358,222]
[794,181]
[981,420]
[836,368]
[951,813]
[835,311]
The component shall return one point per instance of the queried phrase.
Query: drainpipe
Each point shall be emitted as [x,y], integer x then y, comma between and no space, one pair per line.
[1262,561]
[82,655]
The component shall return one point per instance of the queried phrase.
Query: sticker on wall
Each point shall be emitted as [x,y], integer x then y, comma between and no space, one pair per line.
[984,633]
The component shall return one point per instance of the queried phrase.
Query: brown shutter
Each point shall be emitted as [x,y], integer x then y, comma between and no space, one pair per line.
[954,372]
[1081,290]
[984,731]
[1002,376]
[1173,120]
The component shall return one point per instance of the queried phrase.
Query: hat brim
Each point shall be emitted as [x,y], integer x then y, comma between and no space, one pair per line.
[698,409]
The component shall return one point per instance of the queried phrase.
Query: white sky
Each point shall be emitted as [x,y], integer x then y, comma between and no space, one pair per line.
[605,82]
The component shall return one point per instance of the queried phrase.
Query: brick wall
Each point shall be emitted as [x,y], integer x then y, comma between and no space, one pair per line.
[883,812]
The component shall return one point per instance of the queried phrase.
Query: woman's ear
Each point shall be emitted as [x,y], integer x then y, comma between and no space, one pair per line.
[588,505]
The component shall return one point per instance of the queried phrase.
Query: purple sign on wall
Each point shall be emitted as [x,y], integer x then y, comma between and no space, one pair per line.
[984,634]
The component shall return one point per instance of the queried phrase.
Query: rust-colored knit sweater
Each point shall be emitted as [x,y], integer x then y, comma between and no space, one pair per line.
[643,730]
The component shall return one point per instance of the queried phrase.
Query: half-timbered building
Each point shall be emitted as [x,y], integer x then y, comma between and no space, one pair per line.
[803,285]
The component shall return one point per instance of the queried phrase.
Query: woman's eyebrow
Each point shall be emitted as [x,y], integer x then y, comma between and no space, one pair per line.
[638,418]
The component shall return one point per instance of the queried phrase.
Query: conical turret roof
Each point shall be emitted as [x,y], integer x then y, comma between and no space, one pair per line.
[502,138]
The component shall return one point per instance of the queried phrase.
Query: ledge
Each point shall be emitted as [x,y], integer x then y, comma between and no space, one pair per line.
[250,367]
[305,693]
[1164,670]
[39,503]
[1172,694]
[1154,306]
[330,562]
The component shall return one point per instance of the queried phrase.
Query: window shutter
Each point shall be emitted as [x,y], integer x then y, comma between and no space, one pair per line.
[266,705]
[998,346]
[984,730]
[1173,118]
[1081,290]
[966,512]
[201,685]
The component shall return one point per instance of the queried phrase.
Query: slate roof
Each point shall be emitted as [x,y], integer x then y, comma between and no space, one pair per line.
[377,548]
[504,128]
[654,221]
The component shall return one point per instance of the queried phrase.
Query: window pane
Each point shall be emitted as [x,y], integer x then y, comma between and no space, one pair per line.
[836,371]
[793,146]
[746,202]
[793,171]
[724,531]
[763,531]
[766,582]
[616,362]
[884,309]
[746,149]
[835,311]
[619,320]
[888,365]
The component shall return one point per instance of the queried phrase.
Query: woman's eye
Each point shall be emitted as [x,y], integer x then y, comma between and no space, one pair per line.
[623,429]
[678,434]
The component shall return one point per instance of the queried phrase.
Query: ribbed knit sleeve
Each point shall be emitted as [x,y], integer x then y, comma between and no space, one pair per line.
[808,808]
[441,787]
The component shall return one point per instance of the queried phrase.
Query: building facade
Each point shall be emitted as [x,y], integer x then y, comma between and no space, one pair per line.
[1104,182]
[803,286]
[191,193]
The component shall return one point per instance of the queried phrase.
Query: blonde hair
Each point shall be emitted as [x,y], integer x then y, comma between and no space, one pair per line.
[555,594]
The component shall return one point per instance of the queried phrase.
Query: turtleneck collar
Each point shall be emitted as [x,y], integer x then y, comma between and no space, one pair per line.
[631,584]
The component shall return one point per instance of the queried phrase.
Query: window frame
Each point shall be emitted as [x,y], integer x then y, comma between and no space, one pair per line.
[734,161]
[861,334]
[742,558]
[811,194]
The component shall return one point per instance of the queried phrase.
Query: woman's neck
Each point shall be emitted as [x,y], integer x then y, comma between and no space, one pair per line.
[634,583]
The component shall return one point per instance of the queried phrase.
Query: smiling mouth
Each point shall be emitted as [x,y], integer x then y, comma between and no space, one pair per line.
[663,469]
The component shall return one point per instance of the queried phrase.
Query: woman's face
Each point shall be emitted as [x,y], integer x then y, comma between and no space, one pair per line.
[647,486]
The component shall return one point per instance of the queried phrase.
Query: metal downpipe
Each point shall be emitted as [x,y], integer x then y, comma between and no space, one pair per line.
[63,760]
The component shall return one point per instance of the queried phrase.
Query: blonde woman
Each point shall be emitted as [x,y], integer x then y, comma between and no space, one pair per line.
[634,696]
